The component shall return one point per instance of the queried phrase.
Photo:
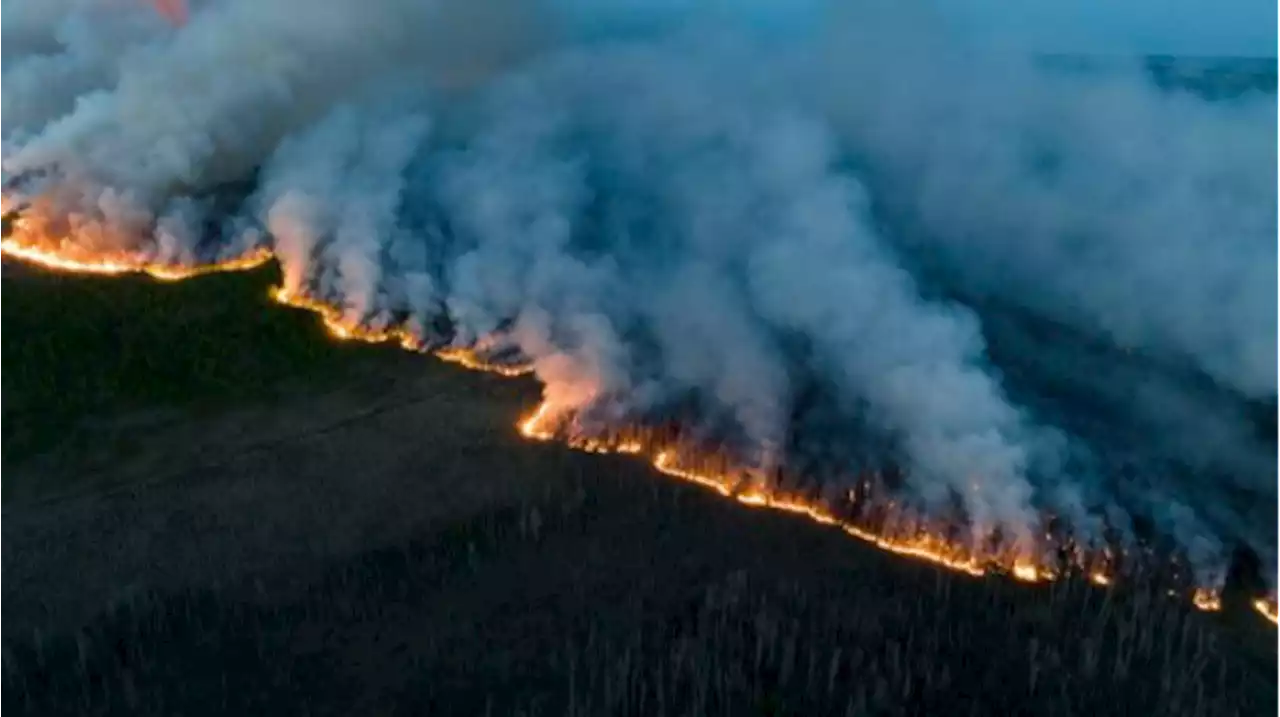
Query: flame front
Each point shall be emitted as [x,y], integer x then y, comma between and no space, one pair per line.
[54,259]
[1267,608]
[1207,599]
[343,329]
[900,540]
[902,536]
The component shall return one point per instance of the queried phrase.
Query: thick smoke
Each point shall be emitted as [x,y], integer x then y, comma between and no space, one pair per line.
[1032,287]
[1118,239]
[54,52]
[1144,215]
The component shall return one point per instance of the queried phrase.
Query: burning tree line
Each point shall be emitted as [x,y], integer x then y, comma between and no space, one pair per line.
[870,505]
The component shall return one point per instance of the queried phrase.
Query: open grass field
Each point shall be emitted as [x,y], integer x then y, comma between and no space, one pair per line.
[212,509]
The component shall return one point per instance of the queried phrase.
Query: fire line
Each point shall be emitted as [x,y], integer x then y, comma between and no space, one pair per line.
[907,540]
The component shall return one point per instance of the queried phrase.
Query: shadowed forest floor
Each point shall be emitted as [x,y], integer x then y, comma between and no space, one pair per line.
[211,509]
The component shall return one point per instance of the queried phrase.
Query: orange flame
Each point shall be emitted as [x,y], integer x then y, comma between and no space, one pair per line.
[468,358]
[344,329]
[1207,599]
[900,537]
[1267,608]
[125,264]
[905,540]
[921,546]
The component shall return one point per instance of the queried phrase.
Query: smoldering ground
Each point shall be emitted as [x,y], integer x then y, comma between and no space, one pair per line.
[1030,289]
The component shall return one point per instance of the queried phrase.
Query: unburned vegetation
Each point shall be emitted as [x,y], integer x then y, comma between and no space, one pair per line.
[627,595]
[80,352]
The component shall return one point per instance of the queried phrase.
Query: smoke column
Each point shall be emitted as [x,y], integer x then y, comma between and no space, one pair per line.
[832,241]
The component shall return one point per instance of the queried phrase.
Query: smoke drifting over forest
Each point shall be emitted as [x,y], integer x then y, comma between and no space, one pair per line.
[835,240]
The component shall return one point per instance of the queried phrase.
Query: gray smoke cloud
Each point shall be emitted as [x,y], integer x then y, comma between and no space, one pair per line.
[56,52]
[1138,224]
[1146,215]
[1034,288]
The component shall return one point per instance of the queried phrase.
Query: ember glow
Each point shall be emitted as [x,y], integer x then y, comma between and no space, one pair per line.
[1266,607]
[1207,600]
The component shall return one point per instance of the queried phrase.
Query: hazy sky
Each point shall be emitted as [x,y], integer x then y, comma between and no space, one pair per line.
[1202,27]
[1197,27]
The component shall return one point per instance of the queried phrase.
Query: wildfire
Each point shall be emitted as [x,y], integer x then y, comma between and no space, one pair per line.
[914,544]
[123,264]
[468,358]
[531,427]
[1266,607]
[905,537]
[901,538]
[342,328]
[1207,599]
[1028,572]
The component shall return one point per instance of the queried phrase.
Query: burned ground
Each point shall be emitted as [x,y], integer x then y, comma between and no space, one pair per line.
[214,510]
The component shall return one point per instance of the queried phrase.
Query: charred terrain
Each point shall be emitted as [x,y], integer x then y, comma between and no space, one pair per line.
[215,510]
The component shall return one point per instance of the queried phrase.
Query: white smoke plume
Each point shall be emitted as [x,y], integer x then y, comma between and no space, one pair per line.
[61,50]
[1038,289]
[1145,215]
